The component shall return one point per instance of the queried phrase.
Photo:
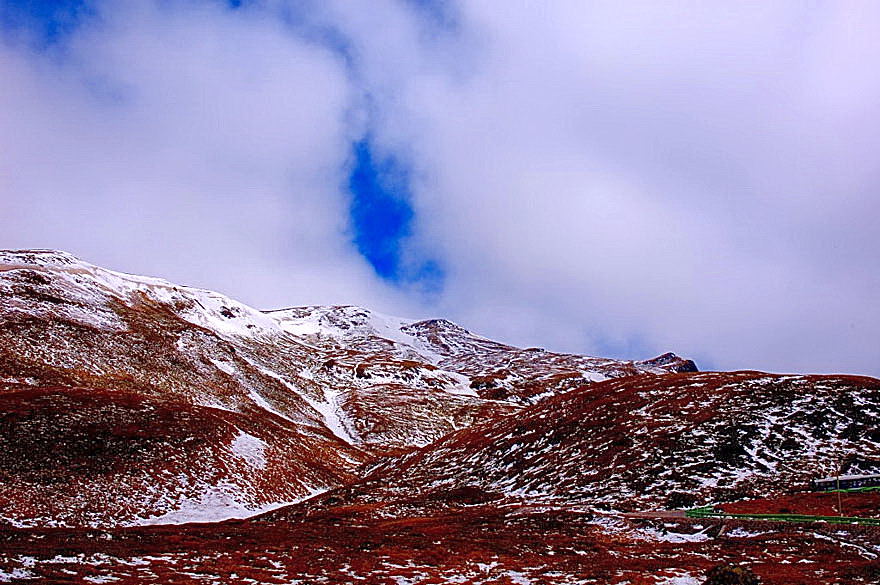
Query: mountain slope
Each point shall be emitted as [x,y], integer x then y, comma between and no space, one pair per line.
[446,457]
[326,389]
[97,457]
[76,332]
[654,442]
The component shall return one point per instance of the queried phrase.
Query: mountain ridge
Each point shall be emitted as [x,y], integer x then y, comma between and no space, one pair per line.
[154,433]
[345,383]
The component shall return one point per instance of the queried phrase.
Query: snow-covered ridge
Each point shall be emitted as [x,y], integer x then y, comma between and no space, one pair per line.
[90,283]
[213,310]
[341,322]
[334,347]
[347,323]
[431,341]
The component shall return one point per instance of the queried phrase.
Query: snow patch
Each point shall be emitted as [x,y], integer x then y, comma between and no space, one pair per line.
[264,404]
[357,322]
[15,575]
[330,412]
[594,376]
[684,579]
[328,409]
[218,503]
[100,579]
[225,367]
[251,449]
[462,388]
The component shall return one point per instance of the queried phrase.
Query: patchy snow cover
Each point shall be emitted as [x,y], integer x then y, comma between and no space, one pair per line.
[331,413]
[250,448]
[351,322]
[380,384]
[328,409]
[100,579]
[92,284]
[225,367]
[636,442]
[680,579]
[217,503]
[16,575]
[668,535]
[740,532]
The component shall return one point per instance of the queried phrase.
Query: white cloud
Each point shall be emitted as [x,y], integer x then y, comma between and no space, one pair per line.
[192,142]
[692,177]
[686,176]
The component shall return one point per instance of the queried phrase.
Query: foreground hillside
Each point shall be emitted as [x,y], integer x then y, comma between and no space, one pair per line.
[657,442]
[461,542]
[155,433]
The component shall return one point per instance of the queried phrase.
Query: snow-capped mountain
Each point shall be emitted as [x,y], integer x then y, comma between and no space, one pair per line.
[357,447]
[169,403]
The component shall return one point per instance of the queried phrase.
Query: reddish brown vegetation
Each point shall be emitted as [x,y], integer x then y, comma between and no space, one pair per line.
[866,505]
[634,442]
[73,456]
[477,543]
[124,398]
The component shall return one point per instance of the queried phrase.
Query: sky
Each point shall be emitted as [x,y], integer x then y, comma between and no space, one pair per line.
[611,178]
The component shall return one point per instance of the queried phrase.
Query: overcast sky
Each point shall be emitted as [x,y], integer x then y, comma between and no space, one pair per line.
[612,178]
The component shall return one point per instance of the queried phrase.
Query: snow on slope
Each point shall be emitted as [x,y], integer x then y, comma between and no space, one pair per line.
[346,324]
[99,457]
[322,342]
[664,441]
[91,286]
[406,383]
[337,386]
[71,332]
[472,364]
[130,401]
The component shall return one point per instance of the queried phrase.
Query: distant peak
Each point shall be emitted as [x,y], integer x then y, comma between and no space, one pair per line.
[438,324]
[677,363]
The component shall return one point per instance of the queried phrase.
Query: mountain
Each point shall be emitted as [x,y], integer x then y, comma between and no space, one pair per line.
[157,433]
[165,403]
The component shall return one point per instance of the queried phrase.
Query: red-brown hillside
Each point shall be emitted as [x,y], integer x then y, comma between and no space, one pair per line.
[861,504]
[335,385]
[86,456]
[658,441]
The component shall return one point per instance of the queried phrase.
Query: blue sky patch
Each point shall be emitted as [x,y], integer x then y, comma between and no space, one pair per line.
[381,218]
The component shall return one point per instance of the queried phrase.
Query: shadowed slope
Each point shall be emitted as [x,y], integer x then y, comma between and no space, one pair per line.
[96,457]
